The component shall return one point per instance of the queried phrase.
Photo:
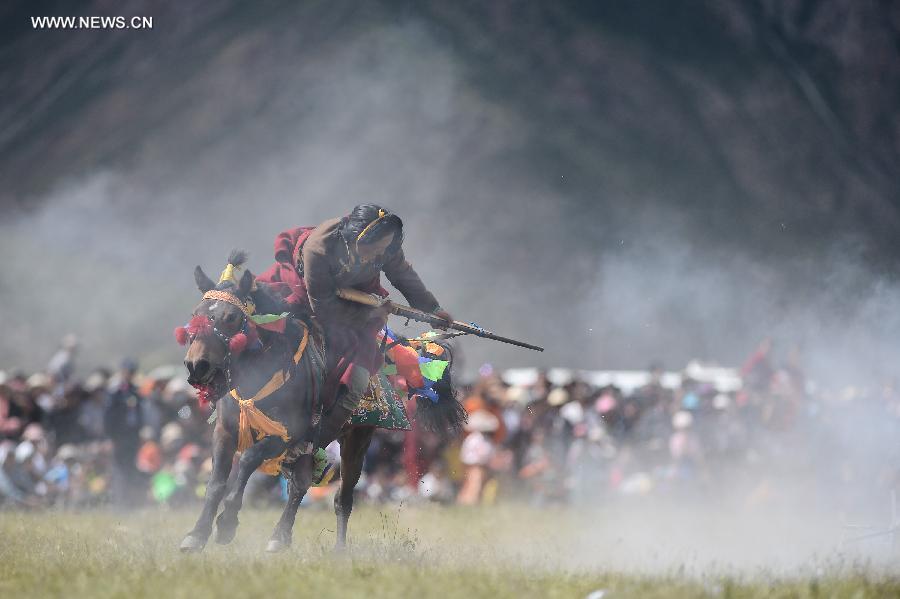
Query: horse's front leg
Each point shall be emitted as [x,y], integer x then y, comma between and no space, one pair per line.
[354,444]
[224,445]
[298,484]
[251,459]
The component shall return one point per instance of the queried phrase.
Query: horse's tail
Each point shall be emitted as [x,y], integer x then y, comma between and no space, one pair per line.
[447,415]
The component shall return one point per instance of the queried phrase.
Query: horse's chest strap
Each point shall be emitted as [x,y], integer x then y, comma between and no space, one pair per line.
[252,419]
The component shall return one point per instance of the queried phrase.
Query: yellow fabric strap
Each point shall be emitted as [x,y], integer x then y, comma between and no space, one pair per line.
[252,418]
[381,215]
[229,298]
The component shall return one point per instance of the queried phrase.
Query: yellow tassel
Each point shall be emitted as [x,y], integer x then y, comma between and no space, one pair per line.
[272,466]
[228,274]
[253,420]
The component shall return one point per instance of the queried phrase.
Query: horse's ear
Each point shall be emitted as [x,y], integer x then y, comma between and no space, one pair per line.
[246,284]
[204,283]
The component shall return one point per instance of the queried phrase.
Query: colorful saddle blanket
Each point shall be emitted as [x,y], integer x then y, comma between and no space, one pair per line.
[381,407]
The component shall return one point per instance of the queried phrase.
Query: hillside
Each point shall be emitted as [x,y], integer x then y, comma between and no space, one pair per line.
[617,180]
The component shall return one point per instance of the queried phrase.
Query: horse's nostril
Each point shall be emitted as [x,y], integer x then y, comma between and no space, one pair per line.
[201,368]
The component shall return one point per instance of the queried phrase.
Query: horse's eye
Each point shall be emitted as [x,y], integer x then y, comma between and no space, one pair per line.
[230,318]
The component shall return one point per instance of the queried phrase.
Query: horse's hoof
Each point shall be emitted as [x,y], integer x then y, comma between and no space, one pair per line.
[226,529]
[192,544]
[225,535]
[277,546]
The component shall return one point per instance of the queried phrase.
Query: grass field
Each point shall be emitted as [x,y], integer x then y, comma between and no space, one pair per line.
[395,552]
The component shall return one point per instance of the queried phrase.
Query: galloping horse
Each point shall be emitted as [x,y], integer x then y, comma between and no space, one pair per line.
[237,364]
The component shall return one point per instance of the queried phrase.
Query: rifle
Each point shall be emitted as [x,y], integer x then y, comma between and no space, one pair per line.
[368,299]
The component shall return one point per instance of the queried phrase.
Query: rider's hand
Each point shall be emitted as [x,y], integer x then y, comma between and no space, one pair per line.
[445,315]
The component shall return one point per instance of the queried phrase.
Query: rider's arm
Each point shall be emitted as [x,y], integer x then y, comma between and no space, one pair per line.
[402,276]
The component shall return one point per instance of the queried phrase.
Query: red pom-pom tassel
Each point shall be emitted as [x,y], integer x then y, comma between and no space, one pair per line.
[238,343]
[204,393]
[200,326]
[181,335]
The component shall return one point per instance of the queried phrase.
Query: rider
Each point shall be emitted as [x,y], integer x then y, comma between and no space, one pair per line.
[352,252]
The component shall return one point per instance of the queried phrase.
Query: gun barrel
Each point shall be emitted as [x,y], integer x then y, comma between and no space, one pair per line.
[361,297]
[495,337]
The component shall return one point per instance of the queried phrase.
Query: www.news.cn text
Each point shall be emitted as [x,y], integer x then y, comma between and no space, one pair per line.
[92,22]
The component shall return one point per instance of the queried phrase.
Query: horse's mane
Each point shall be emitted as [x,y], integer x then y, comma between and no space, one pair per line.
[266,301]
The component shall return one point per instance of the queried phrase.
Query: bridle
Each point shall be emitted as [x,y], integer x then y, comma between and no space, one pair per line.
[201,324]
[195,328]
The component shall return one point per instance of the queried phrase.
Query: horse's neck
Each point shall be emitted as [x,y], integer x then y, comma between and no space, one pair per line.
[253,369]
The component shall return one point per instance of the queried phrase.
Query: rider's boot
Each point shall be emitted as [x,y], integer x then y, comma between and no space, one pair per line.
[330,429]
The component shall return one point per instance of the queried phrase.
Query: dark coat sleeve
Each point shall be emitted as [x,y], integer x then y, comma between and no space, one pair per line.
[321,290]
[402,276]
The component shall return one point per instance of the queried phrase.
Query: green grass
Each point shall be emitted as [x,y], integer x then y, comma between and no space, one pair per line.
[395,552]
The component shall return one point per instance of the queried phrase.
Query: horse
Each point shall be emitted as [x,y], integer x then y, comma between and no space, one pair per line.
[236,364]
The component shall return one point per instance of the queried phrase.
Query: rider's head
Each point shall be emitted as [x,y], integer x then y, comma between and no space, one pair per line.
[371,231]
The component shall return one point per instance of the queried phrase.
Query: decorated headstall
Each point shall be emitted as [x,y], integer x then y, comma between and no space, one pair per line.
[202,325]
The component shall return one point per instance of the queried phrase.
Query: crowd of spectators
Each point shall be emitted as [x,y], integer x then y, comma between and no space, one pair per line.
[120,438]
[773,437]
[113,437]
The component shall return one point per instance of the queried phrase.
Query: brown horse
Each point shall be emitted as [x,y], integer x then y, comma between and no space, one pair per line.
[217,367]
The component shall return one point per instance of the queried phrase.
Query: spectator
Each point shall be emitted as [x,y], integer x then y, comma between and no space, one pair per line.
[122,423]
[62,365]
[92,410]
[11,424]
[475,453]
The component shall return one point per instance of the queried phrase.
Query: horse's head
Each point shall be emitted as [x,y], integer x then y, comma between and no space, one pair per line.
[220,327]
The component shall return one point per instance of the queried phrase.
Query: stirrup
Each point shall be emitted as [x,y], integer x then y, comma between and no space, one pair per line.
[323,469]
